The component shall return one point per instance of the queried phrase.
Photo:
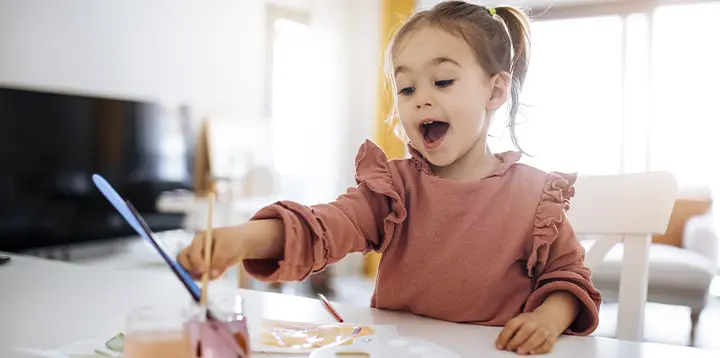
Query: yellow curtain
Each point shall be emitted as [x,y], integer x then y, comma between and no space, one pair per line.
[393,14]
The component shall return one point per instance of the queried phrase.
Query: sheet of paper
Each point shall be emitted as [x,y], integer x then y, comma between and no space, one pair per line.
[303,338]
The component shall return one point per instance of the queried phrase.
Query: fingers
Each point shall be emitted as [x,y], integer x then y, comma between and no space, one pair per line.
[184,261]
[226,252]
[196,254]
[545,347]
[537,339]
[524,335]
[508,332]
[222,257]
[191,257]
[526,330]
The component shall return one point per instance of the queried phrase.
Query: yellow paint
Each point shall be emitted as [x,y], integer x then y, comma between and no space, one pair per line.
[304,336]
[393,14]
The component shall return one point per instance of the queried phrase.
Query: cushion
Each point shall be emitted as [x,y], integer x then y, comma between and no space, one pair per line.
[670,267]
[684,209]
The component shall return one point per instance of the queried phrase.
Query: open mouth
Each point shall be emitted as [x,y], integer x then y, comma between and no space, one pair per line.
[433,131]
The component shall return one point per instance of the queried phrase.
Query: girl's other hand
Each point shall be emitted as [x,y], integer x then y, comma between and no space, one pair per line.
[528,333]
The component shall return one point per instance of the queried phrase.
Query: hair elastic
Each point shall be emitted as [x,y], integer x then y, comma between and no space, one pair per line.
[492,11]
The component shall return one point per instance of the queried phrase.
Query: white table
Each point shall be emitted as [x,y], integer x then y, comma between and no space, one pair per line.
[46,304]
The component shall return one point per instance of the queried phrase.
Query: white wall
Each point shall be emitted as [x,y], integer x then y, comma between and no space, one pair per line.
[209,54]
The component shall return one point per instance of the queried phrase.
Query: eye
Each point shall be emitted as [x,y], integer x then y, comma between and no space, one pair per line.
[407,91]
[444,83]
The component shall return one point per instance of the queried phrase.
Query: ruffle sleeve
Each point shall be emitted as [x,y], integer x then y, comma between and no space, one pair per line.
[556,261]
[554,202]
[366,218]
[373,174]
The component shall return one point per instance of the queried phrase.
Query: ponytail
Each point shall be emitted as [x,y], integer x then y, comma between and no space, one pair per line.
[518,28]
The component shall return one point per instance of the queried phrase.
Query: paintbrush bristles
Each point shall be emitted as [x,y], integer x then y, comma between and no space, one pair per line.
[207,251]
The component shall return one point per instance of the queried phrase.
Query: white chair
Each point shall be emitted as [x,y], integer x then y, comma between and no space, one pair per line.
[683,261]
[626,208]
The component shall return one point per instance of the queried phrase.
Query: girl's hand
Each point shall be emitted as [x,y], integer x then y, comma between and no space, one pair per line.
[528,333]
[256,239]
[227,248]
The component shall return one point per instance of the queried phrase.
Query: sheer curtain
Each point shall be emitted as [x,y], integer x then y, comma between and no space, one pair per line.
[685,133]
[309,105]
[571,113]
[290,108]
[624,93]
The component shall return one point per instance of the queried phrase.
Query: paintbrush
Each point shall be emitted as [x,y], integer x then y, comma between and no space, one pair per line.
[208,252]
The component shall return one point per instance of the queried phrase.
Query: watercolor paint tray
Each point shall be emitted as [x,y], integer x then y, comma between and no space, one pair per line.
[282,337]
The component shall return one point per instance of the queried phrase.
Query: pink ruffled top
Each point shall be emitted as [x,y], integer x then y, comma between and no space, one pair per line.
[477,252]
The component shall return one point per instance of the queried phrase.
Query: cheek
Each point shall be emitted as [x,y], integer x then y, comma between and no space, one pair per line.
[405,110]
[469,110]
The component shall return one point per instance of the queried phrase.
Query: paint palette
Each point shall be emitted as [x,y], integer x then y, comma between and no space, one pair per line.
[282,337]
[397,347]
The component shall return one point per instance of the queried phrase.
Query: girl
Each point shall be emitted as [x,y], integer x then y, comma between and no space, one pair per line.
[465,235]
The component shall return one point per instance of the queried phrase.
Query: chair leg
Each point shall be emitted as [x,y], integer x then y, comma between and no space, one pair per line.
[694,319]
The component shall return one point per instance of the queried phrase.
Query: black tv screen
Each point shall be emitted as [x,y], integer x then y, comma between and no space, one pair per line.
[50,145]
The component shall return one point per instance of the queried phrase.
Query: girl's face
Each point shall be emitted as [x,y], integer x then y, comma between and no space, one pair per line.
[444,97]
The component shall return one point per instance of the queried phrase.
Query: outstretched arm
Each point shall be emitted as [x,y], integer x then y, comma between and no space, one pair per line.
[365,218]
[310,238]
[288,241]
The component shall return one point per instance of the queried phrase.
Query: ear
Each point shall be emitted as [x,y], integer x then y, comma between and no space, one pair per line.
[499,88]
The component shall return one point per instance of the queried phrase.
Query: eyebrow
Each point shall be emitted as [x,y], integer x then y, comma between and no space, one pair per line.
[435,62]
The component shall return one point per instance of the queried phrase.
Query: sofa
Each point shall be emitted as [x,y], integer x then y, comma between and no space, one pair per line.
[683,261]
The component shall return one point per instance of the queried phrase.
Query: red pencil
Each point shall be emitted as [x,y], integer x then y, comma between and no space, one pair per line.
[330,308]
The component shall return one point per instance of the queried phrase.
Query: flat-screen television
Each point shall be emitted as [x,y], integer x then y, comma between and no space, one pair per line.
[50,145]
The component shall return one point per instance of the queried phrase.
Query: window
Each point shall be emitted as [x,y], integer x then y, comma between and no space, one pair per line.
[626,93]
[571,113]
[685,77]
[290,99]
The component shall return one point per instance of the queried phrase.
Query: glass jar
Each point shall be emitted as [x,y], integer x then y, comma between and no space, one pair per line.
[159,332]
[228,333]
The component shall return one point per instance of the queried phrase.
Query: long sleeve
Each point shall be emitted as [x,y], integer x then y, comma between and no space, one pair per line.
[557,258]
[364,219]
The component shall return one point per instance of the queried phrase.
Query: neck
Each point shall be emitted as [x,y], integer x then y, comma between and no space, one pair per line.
[477,163]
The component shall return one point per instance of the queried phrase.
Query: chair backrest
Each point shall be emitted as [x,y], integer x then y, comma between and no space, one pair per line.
[623,204]
[628,208]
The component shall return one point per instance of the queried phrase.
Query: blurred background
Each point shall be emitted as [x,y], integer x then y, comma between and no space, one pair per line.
[259,100]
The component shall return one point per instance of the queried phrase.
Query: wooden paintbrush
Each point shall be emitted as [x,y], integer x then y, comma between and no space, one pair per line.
[208,251]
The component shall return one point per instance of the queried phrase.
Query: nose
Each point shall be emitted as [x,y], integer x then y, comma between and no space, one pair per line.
[421,104]
[422,99]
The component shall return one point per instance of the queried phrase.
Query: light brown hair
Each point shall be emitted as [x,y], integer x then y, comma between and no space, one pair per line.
[499,37]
